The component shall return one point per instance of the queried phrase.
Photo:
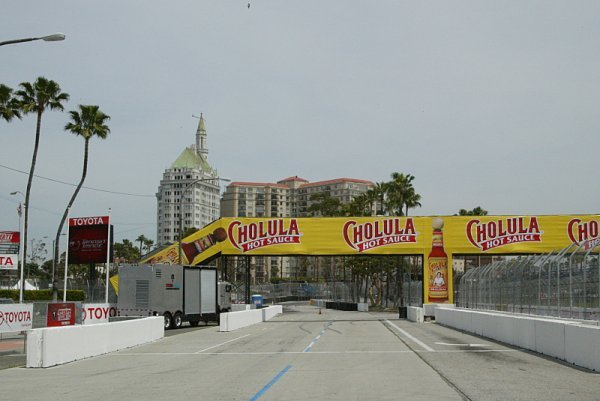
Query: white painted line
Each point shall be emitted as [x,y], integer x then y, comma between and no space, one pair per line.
[416,340]
[466,345]
[218,345]
[311,353]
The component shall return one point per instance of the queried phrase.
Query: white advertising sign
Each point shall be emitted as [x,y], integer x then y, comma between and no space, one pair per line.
[97,313]
[9,261]
[15,317]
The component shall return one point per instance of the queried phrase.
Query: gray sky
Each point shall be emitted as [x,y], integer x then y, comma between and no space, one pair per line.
[490,103]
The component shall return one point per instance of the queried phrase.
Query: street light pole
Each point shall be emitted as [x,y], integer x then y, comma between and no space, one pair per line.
[49,38]
[181,208]
[22,207]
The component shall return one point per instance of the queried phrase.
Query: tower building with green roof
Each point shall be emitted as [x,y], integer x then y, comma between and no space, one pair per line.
[188,194]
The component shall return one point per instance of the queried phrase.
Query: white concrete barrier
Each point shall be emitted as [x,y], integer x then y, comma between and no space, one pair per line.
[236,320]
[574,342]
[550,337]
[57,345]
[363,307]
[582,346]
[415,314]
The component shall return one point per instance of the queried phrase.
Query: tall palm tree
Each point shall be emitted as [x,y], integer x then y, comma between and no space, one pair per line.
[36,98]
[142,239]
[87,123]
[411,200]
[381,189]
[9,106]
[399,187]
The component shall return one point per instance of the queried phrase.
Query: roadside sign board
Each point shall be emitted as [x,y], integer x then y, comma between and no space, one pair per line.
[88,239]
[15,317]
[9,250]
[97,313]
[61,314]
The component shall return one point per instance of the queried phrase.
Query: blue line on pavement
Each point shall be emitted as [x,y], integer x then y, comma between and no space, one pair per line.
[269,384]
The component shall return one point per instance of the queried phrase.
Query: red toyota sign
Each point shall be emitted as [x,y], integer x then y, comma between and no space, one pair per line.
[88,239]
[88,221]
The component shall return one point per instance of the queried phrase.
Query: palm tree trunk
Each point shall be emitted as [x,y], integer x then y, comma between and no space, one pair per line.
[29,181]
[64,217]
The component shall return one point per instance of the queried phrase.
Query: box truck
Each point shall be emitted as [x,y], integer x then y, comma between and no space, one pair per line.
[176,292]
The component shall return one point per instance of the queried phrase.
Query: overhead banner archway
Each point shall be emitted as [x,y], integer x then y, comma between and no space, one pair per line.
[437,238]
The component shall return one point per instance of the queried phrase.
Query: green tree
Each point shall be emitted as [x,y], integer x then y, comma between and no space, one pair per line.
[127,251]
[477,211]
[36,98]
[141,239]
[86,123]
[323,204]
[148,245]
[9,106]
[399,188]
[360,205]
[411,200]
[380,191]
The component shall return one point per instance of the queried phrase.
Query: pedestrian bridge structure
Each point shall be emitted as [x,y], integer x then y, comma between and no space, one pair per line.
[438,239]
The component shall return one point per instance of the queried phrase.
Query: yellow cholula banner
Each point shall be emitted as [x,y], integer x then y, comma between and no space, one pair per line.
[389,235]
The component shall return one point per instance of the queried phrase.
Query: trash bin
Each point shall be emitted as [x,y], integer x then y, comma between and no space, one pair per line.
[402,312]
[257,301]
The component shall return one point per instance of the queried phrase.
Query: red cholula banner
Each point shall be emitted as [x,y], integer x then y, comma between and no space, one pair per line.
[88,239]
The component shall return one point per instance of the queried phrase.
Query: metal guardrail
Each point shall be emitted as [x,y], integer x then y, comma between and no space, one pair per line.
[562,284]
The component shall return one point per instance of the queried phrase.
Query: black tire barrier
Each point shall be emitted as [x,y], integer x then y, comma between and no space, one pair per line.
[403,312]
[345,306]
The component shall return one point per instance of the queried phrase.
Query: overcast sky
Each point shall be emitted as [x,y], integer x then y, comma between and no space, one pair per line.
[486,103]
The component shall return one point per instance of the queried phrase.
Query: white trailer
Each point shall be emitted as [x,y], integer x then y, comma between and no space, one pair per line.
[178,293]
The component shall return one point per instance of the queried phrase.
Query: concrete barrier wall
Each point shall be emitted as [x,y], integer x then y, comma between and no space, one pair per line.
[236,320]
[570,341]
[57,345]
[415,314]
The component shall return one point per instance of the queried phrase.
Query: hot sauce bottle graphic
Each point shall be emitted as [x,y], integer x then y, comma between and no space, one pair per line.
[438,265]
[194,248]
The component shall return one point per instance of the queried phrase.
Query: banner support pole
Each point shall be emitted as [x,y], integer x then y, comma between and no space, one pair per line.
[107,258]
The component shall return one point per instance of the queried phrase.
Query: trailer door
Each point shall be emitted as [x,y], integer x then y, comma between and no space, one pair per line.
[208,284]
[192,300]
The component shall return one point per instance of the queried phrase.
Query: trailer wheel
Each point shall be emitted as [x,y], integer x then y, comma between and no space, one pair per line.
[168,320]
[177,320]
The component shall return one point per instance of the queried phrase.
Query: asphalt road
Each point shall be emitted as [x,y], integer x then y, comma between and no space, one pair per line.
[304,355]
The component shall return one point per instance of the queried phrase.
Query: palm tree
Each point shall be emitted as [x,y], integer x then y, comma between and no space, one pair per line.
[399,187]
[142,239]
[36,98]
[380,190]
[411,200]
[9,106]
[87,123]
[148,245]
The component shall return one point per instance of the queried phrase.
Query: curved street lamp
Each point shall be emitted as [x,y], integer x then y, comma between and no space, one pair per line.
[181,203]
[55,37]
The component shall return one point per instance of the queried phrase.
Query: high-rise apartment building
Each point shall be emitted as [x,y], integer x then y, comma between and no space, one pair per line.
[289,197]
[189,190]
